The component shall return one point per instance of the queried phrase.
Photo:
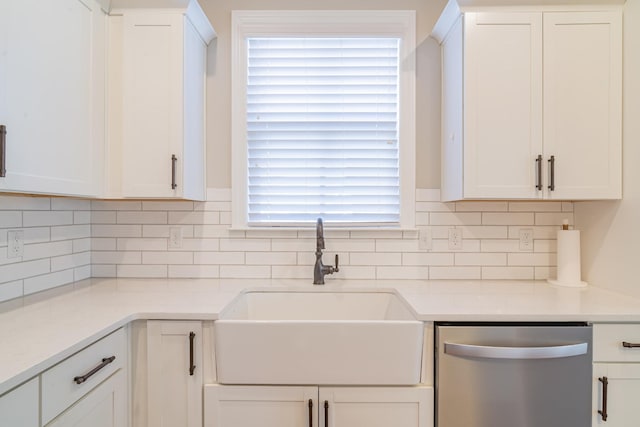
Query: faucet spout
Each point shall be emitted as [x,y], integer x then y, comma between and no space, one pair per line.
[319,235]
[319,269]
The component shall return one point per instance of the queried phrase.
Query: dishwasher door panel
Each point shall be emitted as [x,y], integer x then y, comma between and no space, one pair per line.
[513,376]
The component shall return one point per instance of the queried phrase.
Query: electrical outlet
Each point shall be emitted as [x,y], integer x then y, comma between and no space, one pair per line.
[15,240]
[455,239]
[424,239]
[526,239]
[175,237]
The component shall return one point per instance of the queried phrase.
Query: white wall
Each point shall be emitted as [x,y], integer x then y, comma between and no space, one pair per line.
[611,230]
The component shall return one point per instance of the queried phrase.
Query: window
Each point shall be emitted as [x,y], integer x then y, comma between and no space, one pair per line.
[323,118]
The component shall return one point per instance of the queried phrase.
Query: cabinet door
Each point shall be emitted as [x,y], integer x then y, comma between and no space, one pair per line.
[105,406]
[174,382]
[583,103]
[152,104]
[52,71]
[502,104]
[264,406]
[376,406]
[20,406]
[623,390]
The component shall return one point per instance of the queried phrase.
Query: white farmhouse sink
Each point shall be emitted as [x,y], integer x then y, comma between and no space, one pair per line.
[318,337]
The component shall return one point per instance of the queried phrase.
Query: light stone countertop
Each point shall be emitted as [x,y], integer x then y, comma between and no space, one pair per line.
[37,332]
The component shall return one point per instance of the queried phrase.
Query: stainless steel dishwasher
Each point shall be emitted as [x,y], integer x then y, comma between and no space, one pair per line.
[513,375]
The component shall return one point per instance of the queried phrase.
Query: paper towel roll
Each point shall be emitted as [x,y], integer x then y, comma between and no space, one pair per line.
[568,259]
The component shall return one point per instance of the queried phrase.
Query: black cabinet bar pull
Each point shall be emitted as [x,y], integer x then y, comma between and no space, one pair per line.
[192,367]
[3,151]
[326,413]
[539,172]
[82,378]
[552,173]
[310,412]
[174,161]
[630,345]
[605,384]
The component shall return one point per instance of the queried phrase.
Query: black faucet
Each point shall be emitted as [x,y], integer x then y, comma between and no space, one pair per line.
[320,270]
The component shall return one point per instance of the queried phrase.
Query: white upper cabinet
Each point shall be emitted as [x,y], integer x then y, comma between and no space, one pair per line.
[531,102]
[52,95]
[157,72]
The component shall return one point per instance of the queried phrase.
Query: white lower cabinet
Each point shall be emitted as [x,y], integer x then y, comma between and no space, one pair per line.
[616,375]
[19,407]
[174,363]
[292,406]
[105,406]
[622,391]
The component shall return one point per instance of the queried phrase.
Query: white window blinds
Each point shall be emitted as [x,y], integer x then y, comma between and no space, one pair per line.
[322,130]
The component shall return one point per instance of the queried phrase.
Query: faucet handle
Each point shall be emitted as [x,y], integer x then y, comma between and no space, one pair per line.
[336,269]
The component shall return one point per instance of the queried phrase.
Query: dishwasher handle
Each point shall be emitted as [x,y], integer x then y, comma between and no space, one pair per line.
[490,352]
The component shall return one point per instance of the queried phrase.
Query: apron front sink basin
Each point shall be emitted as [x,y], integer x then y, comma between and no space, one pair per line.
[319,338]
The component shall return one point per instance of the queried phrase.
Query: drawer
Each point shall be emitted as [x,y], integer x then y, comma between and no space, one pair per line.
[19,407]
[608,339]
[59,388]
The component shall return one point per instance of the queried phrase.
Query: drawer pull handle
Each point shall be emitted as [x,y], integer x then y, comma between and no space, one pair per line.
[3,150]
[192,367]
[630,345]
[105,362]
[552,173]
[605,385]
[310,413]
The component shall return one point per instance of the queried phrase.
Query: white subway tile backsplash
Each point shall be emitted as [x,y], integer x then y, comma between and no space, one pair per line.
[489,218]
[103,217]
[270,258]
[116,257]
[67,204]
[455,218]
[427,259]
[480,259]
[194,271]
[482,206]
[72,239]
[46,218]
[245,271]
[553,219]
[142,271]
[167,206]
[455,273]
[115,205]
[535,206]
[66,232]
[82,217]
[11,272]
[167,257]
[10,290]
[128,217]
[24,203]
[141,244]
[199,218]
[10,219]
[377,258]
[218,258]
[532,259]
[47,250]
[47,281]
[401,273]
[81,245]
[507,273]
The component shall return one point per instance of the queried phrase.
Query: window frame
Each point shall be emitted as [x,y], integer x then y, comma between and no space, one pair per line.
[314,23]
